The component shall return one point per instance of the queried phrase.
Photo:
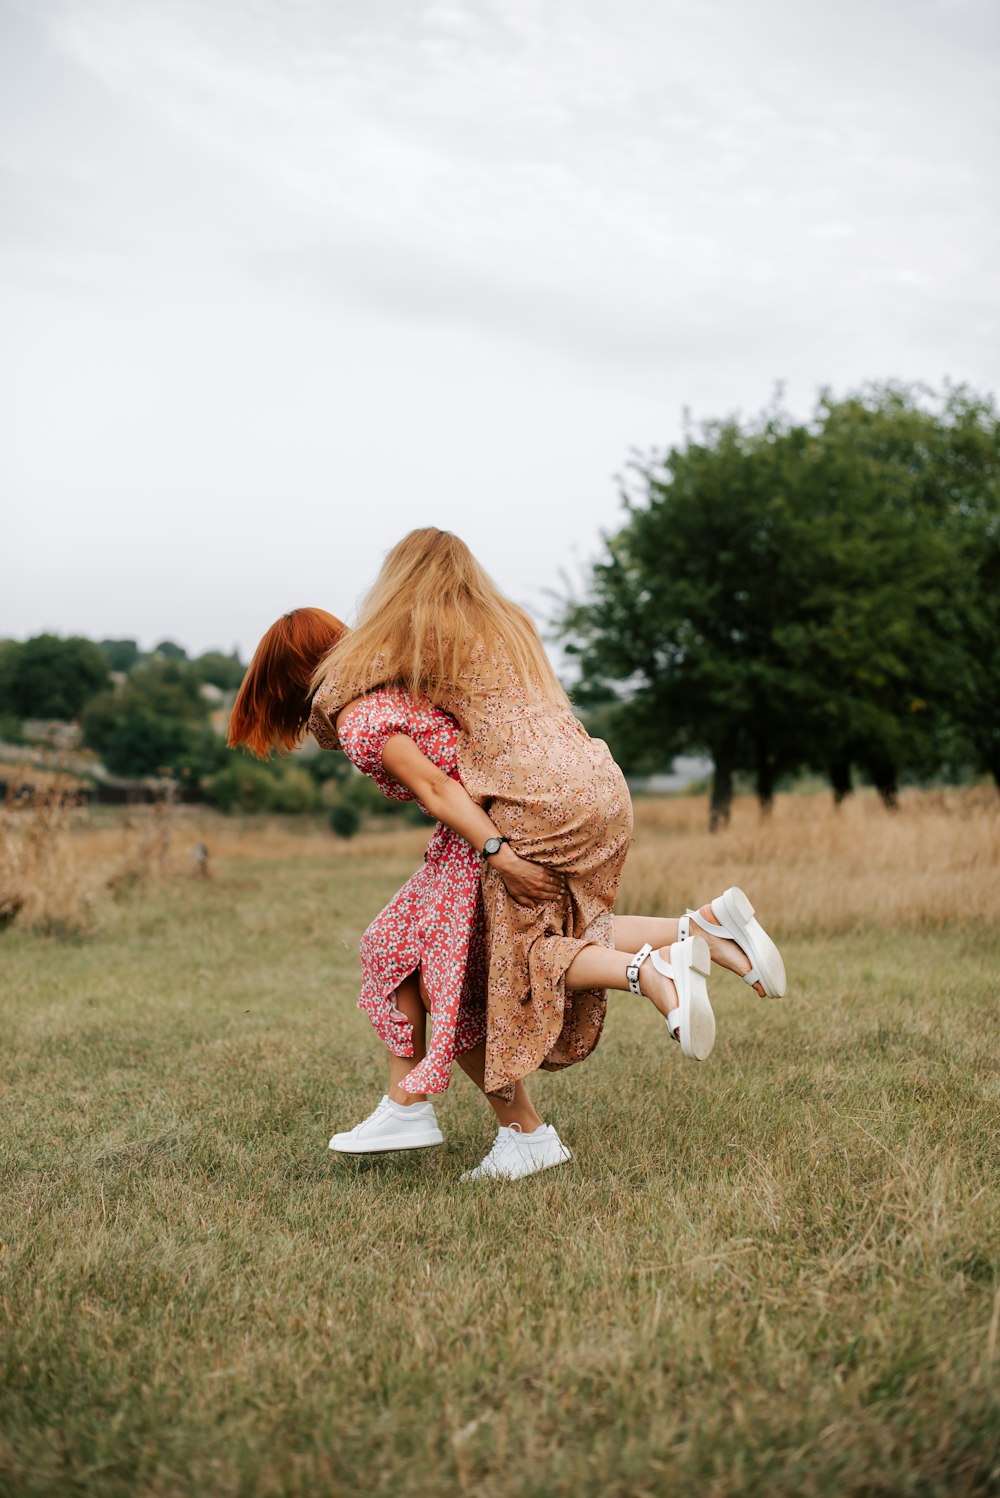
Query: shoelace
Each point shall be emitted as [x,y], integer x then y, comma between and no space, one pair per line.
[502,1145]
[373,1118]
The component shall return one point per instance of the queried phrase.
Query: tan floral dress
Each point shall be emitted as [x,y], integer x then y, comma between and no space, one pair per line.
[559,797]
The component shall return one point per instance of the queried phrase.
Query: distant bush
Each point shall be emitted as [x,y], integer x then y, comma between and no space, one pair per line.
[225,671]
[293,789]
[363,794]
[345,820]
[241,785]
[245,784]
[122,654]
[157,723]
[352,789]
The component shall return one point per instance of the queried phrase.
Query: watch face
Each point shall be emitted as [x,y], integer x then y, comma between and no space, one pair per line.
[492,845]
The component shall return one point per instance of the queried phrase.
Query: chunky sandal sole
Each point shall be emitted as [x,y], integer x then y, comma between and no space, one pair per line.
[734,910]
[690,964]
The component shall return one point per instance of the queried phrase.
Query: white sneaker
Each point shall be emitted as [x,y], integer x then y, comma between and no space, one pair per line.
[393,1126]
[516,1153]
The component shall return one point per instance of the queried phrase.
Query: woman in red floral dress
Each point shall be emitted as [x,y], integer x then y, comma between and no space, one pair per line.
[434,925]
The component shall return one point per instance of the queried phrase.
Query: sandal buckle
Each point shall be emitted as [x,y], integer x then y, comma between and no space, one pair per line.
[632,971]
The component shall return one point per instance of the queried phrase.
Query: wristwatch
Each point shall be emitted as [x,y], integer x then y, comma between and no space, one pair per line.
[492,845]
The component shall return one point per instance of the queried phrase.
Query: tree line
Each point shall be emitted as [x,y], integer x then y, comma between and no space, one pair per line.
[785,596]
[147,714]
[796,596]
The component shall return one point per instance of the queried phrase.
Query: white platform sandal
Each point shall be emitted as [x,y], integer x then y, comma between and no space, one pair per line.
[737,923]
[692,1022]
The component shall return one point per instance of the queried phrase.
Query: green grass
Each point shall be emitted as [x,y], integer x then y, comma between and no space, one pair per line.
[777,1273]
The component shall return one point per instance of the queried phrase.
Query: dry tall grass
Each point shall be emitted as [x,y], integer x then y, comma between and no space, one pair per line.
[933,863]
[53,878]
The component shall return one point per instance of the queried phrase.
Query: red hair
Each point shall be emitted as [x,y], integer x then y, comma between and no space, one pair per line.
[272,706]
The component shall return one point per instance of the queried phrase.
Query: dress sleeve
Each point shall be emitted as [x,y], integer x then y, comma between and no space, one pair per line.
[363,736]
[321,723]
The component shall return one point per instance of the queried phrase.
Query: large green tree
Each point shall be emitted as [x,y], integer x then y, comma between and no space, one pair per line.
[122,654]
[875,626]
[683,615]
[970,462]
[786,595]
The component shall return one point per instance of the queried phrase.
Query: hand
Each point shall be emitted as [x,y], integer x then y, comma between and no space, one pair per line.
[527,883]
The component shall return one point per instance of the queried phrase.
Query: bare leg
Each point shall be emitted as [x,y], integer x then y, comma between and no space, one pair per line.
[728,954]
[633,931]
[604,967]
[413,1000]
[520,1111]
[410,1003]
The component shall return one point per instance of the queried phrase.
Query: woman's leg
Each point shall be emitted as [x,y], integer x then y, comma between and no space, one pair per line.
[604,967]
[473,1063]
[413,1000]
[409,1003]
[633,931]
[520,1110]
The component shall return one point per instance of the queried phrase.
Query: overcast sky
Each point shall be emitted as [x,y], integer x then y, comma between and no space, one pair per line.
[282,279]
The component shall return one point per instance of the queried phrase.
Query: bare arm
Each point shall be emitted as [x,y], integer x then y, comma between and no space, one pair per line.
[449,801]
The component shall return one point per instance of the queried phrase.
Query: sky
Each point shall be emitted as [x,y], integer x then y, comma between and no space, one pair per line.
[282,279]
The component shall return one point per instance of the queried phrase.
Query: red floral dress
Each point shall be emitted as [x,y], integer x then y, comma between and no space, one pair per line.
[435,922]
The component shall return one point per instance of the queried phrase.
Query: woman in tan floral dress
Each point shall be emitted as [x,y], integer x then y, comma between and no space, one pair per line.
[533,778]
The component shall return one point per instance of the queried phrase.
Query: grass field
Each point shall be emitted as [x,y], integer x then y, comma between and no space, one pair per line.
[777,1273]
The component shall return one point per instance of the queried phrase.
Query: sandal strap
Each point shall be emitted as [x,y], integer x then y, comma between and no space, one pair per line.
[673,1020]
[715,928]
[753,976]
[683,928]
[632,971]
[665,968]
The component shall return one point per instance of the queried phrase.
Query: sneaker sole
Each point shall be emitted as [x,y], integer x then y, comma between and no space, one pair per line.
[387,1146]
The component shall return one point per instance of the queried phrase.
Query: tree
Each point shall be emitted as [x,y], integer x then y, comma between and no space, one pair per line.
[169,651]
[681,621]
[10,721]
[224,671]
[156,724]
[816,595]
[9,651]
[51,677]
[889,538]
[122,654]
[971,463]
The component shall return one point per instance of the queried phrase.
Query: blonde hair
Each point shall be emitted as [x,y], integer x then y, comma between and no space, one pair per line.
[428,610]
